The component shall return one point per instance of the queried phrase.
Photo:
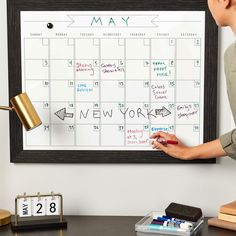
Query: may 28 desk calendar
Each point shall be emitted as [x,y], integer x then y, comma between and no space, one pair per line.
[38,212]
[106,80]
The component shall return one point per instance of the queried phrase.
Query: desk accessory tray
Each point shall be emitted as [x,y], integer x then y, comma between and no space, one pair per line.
[144,227]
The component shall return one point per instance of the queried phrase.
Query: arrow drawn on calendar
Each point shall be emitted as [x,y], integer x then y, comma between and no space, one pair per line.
[159,19]
[163,111]
[62,114]
[154,21]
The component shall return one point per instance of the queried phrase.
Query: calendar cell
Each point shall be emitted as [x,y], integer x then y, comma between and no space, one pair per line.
[62,134]
[112,91]
[39,137]
[66,92]
[143,49]
[86,49]
[86,69]
[87,91]
[136,135]
[88,135]
[117,135]
[111,49]
[88,113]
[140,88]
[187,70]
[30,46]
[163,91]
[162,70]
[137,69]
[111,113]
[186,49]
[187,113]
[36,69]
[62,69]
[66,50]
[62,112]
[163,49]
[37,91]
[187,91]
[186,131]
[162,113]
[112,69]
[136,113]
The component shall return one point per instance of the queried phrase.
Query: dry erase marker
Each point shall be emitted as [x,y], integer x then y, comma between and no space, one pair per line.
[161,227]
[177,225]
[164,142]
[173,223]
[168,218]
[165,218]
[171,142]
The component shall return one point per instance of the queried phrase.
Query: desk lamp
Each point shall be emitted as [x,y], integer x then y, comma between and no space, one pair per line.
[23,107]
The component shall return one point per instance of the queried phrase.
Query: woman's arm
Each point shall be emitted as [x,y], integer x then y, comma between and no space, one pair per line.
[207,150]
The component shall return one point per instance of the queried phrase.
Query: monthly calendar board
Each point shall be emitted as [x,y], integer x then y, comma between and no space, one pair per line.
[107,80]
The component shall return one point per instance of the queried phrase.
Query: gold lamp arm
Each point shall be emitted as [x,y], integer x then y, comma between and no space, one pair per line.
[6,108]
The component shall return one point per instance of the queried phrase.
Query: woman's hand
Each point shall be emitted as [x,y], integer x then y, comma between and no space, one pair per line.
[179,150]
[207,150]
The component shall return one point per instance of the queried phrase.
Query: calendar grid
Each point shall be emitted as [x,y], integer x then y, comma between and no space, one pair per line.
[150,61]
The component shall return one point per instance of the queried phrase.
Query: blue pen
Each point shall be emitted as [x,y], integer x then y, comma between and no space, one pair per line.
[167,217]
[161,218]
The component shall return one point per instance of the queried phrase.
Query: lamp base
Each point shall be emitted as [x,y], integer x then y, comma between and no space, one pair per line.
[5,217]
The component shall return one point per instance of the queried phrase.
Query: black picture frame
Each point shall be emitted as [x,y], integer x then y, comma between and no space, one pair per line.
[18,155]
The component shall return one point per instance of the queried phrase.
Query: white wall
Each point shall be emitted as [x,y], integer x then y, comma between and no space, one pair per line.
[115,189]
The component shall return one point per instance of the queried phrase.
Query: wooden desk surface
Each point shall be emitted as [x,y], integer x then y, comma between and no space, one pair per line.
[105,226]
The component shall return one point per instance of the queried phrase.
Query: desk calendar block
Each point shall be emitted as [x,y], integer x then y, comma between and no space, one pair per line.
[40,212]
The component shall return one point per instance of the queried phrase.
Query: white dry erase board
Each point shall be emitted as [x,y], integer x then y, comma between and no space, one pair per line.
[104,76]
